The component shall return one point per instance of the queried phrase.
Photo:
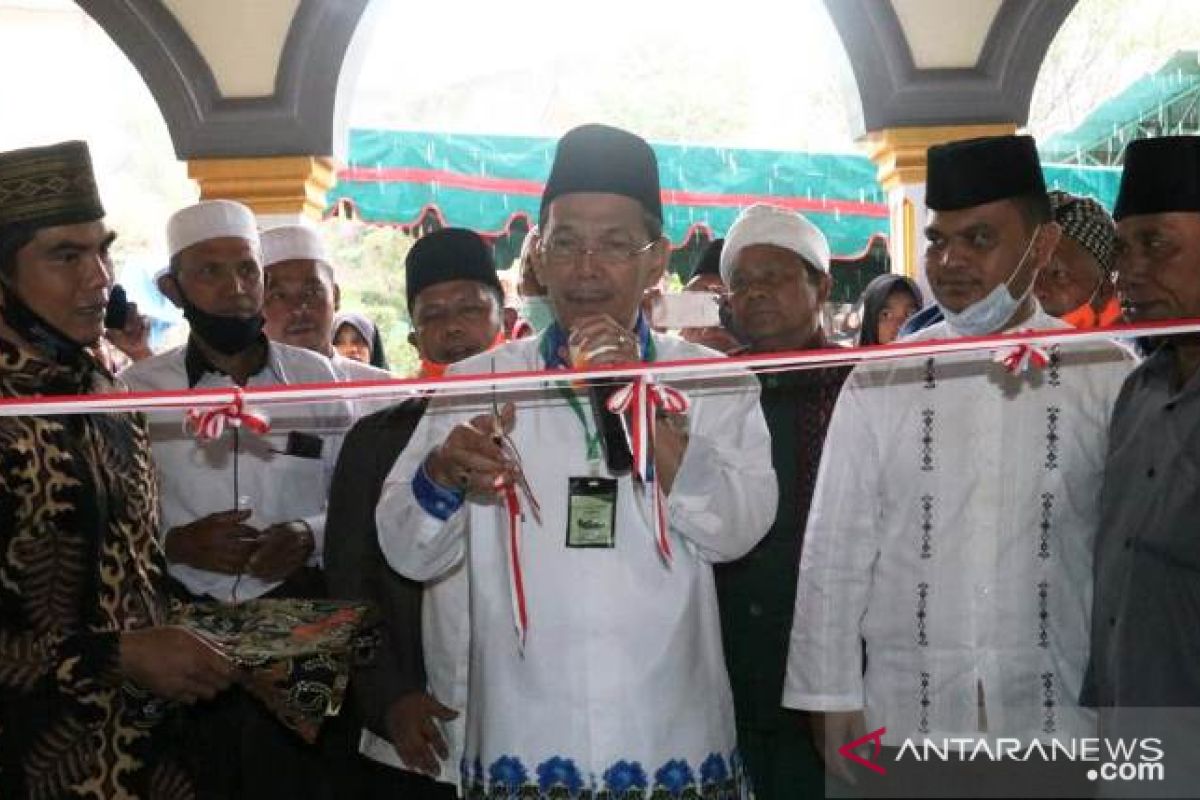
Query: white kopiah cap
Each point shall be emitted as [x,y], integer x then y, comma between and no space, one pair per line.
[765,224]
[210,219]
[293,243]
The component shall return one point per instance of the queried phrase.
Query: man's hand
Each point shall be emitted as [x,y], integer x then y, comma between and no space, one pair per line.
[134,339]
[217,543]
[833,729]
[282,549]
[412,727]
[174,663]
[472,457]
[670,444]
[600,340]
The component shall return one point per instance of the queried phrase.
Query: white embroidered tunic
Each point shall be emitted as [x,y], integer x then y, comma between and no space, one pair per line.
[622,684]
[952,528]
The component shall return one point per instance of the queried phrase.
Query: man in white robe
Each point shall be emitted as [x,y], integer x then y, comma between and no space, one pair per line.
[243,515]
[620,684]
[956,504]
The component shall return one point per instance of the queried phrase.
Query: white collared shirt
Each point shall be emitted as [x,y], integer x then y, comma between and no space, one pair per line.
[197,479]
[348,369]
[952,528]
[623,662]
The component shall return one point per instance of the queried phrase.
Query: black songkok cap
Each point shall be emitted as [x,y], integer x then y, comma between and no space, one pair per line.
[710,260]
[599,158]
[974,172]
[449,254]
[41,187]
[1161,175]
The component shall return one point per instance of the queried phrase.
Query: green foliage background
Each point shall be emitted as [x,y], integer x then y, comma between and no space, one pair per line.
[370,272]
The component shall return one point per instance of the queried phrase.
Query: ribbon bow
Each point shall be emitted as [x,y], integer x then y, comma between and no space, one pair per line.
[209,424]
[1022,357]
[642,398]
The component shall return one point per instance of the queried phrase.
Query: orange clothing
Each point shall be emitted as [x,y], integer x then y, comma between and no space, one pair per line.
[1087,317]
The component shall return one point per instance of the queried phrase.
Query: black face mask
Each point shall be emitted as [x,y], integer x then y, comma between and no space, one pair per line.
[226,334]
[30,326]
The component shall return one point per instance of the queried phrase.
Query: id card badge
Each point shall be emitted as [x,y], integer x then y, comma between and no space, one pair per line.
[592,512]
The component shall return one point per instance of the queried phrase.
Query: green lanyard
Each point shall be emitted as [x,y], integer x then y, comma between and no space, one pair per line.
[591,437]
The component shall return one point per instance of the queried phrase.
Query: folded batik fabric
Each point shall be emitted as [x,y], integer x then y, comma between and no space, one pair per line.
[295,655]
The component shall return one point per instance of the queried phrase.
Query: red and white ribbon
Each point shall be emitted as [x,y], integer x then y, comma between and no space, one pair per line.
[208,424]
[521,329]
[518,380]
[642,398]
[1022,358]
[516,577]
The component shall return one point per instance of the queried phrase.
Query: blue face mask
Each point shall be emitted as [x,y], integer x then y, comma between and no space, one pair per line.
[990,314]
[537,311]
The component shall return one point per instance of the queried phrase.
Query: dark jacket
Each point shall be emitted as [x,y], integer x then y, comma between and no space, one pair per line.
[357,570]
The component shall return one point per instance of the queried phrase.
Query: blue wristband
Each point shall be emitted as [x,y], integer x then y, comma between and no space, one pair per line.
[437,500]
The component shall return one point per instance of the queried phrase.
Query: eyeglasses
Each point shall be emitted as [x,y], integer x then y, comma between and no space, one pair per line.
[567,252]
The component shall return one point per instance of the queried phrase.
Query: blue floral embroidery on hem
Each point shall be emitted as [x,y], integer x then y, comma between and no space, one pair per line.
[713,770]
[558,771]
[674,776]
[508,771]
[624,776]
[559,778]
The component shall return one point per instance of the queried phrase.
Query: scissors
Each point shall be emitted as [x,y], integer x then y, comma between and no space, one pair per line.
[509,448]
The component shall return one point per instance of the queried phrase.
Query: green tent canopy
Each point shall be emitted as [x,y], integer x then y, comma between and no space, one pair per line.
[1163,103]
[487,182]
[493,184]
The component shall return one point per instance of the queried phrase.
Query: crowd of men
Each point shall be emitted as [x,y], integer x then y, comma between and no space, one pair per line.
[936,546]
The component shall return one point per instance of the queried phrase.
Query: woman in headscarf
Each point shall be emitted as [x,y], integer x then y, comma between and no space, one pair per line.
[355,336]
[887,302]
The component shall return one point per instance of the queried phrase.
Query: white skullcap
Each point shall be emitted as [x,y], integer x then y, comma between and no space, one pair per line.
[293,243]
[764,224]
[210,219]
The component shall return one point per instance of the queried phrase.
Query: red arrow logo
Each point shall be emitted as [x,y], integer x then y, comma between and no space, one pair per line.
[875,736]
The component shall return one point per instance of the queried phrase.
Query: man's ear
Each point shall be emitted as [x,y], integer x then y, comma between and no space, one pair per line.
[337,297]
[168,284]
[415,341]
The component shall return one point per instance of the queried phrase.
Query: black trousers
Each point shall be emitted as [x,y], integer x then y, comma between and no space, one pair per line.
[381,782]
